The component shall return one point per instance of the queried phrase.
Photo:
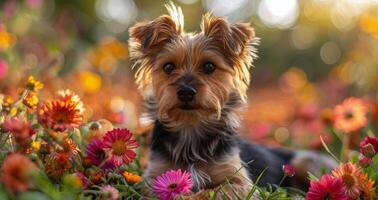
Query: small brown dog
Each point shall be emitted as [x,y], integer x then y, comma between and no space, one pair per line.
[195,86]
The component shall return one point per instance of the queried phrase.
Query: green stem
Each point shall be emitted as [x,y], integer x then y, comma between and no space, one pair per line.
[282,179]
[345,147]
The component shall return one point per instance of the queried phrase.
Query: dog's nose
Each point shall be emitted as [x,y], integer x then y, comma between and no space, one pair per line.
[186,94]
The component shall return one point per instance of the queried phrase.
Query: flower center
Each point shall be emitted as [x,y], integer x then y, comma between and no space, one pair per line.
[119,147]
[348,180]
[348,115]
[61,117]
[172,186]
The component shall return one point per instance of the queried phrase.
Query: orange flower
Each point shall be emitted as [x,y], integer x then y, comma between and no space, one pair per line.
[350,115]
[350,174]
[131,178]
[57,164]
[64,112]
[16,173]
[70,147]
[367,188]
[6,39]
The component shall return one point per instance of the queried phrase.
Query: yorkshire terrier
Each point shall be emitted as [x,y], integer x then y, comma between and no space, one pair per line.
[195,85]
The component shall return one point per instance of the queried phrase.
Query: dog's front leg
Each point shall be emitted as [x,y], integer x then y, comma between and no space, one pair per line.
[228,179]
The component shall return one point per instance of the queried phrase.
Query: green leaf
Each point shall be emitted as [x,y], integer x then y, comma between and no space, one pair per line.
[32,196]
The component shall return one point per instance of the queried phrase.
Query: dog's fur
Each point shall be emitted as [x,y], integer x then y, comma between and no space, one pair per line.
[201,135]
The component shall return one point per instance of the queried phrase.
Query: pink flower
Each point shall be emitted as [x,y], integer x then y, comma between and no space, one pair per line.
[20,129]
[109,193]
[172,183]
[97,155]
[83,179]
[288,170]
[373,141]
[327,187]
[364,162]
[3,68]
[118,144]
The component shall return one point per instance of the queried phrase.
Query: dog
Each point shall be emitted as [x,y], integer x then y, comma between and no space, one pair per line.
[195,86]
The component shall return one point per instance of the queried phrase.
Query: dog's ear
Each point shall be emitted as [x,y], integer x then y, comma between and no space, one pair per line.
[146,36]
[236,42]
[232,38]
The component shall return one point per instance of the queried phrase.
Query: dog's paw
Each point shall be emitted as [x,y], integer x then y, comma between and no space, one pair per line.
[201,195]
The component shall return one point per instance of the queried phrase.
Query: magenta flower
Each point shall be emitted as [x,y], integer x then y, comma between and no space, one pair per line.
[328,187]
[119,146]
[172,183]
[83,179]
[288,170]
[369,146]
[97,155]
[365,162]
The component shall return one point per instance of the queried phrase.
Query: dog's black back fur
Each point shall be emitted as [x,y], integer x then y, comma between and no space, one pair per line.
[260,158]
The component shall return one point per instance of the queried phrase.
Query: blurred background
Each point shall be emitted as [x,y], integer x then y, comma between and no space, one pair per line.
[313,54]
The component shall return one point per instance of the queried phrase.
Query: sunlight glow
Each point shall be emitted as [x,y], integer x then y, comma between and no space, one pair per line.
[278,13]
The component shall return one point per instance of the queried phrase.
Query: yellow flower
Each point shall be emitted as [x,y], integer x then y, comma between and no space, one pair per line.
[7,106]
[369,23]
[36,145]
[31,100]
[131,178]
[33,85]
[6,39]
[90,81]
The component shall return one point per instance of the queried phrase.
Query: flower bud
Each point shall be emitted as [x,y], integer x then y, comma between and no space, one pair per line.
[288,170]
[368,150]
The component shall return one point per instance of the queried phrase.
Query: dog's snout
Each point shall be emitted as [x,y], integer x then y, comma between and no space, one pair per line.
[186,93]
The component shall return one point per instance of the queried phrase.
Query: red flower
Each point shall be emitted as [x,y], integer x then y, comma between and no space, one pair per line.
[288,170]
[16,173]
[364,162]
[64,112]
[119,145]
[327,187]
[369,140]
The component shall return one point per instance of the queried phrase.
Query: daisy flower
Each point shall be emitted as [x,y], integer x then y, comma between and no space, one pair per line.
[97,155]
[327,187]
[118,145]
[16,173]
[349,174]
[109,193]
[350,115]
[64,112]
[172,183]
[367,188]
[57,164]
[33,85]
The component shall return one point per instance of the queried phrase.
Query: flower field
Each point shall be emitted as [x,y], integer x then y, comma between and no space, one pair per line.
[71,117]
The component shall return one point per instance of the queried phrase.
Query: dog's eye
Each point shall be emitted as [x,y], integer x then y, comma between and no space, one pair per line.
[168,68]
[208,68]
